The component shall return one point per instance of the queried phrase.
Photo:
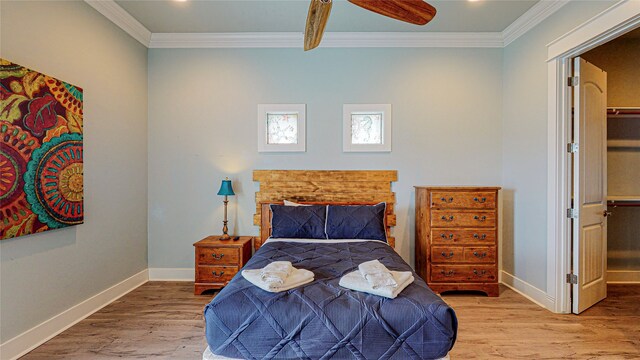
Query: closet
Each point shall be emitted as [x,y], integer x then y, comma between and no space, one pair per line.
[623,175]
[619,58]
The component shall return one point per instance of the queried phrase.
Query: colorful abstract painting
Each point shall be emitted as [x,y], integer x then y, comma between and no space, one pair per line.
[41,176]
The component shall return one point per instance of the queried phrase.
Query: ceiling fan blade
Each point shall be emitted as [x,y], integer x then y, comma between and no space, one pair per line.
[319,11]
[412,11]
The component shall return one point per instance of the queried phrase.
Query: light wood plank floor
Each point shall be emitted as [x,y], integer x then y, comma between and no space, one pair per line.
[163,320]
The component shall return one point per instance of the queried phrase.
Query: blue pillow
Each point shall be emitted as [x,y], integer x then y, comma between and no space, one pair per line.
[356,222]
[304,222]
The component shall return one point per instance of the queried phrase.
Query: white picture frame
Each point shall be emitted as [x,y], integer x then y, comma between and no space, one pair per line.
[374,141]
[295,138]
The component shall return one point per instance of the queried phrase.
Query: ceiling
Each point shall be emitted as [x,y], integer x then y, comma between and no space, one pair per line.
[224,16]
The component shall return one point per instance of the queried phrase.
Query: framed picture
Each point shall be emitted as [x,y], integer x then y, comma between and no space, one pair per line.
[281,127]
[366,128]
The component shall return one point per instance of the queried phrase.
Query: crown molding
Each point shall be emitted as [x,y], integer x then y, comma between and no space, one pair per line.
[530,19]
[330,40]
[119,16]
[534,16]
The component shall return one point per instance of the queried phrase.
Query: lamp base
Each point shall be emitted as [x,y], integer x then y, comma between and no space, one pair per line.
[225,237]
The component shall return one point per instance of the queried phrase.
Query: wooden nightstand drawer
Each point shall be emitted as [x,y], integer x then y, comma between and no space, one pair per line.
[463,200]
[466,273]
[463,218]
[215,274]
[463,237]
[217,256]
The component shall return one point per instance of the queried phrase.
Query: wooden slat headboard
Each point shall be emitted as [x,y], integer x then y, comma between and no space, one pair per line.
[336,187]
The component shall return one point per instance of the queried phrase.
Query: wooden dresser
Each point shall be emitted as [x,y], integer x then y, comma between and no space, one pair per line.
[217,262]
[457,238]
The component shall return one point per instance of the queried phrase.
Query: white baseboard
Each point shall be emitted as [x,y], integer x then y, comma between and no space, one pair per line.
[623,277]
[171,274]
[527,290]
[34,337]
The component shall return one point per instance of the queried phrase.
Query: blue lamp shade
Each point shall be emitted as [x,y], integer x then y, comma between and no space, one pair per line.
[225,188]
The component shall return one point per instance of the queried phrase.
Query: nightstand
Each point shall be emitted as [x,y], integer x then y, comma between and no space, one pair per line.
[218,261]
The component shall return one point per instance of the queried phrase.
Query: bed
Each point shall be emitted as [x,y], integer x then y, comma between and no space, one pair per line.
[322,320]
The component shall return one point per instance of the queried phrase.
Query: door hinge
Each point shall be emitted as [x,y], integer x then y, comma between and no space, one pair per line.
[573,81]
[572,213]
[572,279]
[572,147]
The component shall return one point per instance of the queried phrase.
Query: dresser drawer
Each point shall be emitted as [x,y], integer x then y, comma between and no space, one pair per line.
[447,254]
[463,200]
[460,218]
[217,256]
[465,273]
[480,254]
[215,274]
[463,237]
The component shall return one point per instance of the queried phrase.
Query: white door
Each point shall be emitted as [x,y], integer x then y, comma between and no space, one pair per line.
[589,185]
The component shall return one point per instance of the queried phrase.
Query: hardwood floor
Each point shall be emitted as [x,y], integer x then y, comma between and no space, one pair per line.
[163,320]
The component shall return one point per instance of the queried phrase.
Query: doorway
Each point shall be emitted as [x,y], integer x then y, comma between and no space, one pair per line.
[606,169]
[614,22]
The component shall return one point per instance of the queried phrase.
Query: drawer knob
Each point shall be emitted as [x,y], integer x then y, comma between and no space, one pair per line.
[215,273]
[444,236]
[447,256]
[217,256]
[450,218]
[479,274]
[481,256]
[476,236]
[480,218]
[449,200]
[480,200]
[448,273]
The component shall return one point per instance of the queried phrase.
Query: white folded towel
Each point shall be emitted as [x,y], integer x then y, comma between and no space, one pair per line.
[296,278]
[376,274]
[355,281]
[276,272]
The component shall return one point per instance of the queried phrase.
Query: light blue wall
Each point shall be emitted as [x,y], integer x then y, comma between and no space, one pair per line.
[447,106]
[524,139]
[45,274]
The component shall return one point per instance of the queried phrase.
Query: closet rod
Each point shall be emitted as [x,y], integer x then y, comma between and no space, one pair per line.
[623,111]
[622,203]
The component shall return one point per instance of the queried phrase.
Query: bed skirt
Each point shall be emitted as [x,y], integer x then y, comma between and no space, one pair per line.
[208,355]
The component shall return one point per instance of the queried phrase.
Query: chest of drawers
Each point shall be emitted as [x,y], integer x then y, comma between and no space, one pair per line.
[457,238]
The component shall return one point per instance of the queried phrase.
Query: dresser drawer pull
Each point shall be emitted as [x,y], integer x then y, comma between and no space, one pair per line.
[450,218]
[476,236]
[480,218]
[450,200]
[479,274]
[447,256]
[215,273]
[217,256]
[444,236]
[480,200]
[481,256]
[448,273]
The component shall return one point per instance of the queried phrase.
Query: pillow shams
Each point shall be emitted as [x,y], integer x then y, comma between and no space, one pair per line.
[356,222]
[302,222]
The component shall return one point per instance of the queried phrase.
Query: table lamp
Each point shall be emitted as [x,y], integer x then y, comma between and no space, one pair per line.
[226,190]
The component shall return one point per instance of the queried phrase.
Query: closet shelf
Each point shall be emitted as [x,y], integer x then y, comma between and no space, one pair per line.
[627,200]
[623,143]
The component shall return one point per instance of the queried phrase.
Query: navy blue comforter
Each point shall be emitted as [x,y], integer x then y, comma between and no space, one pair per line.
[322,320]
